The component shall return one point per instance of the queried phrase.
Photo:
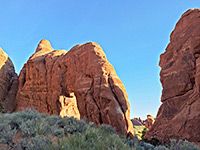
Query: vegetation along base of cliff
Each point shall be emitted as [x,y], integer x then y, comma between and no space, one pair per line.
[31,130]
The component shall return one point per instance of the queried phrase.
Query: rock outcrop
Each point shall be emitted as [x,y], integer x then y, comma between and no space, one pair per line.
[79,83]
[8,82]
[137,122]
[149,122]
[179,115]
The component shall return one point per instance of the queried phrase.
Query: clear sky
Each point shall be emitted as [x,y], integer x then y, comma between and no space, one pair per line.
[133,33]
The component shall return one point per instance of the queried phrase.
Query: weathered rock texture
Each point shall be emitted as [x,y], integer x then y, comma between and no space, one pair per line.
[149,122]
[8,82]
[69,106]
[179,115]
[52,78]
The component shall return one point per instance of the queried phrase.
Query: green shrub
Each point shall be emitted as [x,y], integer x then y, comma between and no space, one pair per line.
[138,130]
[182,145]
[30,130]
[145,130]
[92,138]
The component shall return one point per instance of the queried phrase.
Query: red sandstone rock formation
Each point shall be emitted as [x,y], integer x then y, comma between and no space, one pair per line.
[69,106]
[137,122]
[149,122]
[8,82]
[51,80]
[179,115]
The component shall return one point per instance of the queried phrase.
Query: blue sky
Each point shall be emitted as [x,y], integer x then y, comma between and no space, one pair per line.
[133,33]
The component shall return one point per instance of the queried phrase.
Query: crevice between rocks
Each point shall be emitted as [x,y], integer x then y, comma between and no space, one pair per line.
[110,85]
[91,91]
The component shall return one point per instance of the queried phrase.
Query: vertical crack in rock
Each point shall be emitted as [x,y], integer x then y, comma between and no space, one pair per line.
[91,91]
[116,98]
[48,106]
[24,79]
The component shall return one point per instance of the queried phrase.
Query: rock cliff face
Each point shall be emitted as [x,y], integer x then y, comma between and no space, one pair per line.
[179,116]
[8,82]
[81,80]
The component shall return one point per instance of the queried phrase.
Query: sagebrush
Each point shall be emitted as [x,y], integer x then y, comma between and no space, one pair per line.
[30,130]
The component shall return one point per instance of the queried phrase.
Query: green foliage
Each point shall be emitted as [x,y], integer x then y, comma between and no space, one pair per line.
[93,138]
[139,131]
[182,145]
[31,130]
[145,130]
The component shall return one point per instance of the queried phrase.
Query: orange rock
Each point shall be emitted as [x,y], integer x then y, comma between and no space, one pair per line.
[179,116]
[48,79]
[44,46]
[150,121]
[8,82]
[68,106]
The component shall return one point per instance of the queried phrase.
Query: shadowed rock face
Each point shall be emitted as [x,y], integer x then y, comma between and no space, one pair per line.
[53,79]
[8,82]
[137,122]
[179,115]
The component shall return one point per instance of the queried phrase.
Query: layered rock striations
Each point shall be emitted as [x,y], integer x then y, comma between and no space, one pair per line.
[8,82]
[179,115]
[79,83]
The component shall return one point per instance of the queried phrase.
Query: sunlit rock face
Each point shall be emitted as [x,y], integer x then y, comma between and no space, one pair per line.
[69,106]
[79,83]
[8,82]
[179,115]
[149,122]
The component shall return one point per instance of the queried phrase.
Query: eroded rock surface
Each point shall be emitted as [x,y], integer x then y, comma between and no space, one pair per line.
[69,106]
[8,82]
[50,78]
[179,115]
[149,122]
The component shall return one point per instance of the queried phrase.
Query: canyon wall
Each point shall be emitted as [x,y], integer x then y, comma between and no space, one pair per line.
[179,115]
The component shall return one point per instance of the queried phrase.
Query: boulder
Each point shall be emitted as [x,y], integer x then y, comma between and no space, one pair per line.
[8,83]
[79,83]
[179,117]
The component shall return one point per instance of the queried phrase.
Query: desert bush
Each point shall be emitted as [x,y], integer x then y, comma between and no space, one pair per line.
[182,145]
[6,135]
[153,141]
[94,139]
[30,130]
[161,147]
[138,130]
[145,130]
